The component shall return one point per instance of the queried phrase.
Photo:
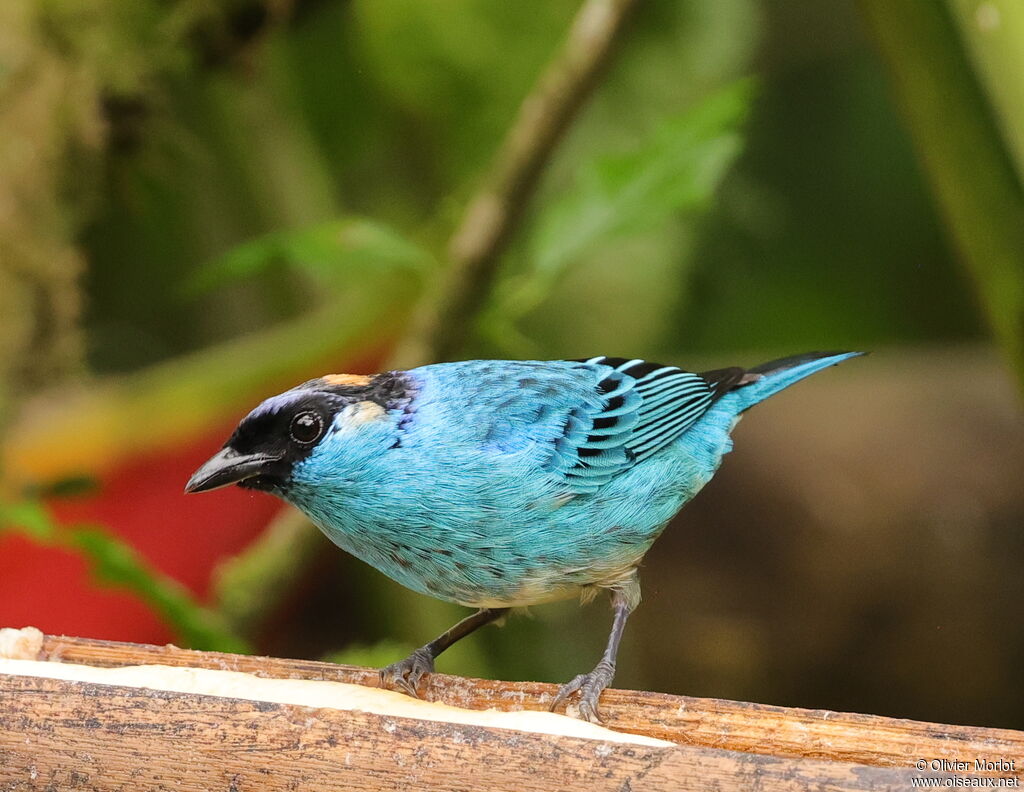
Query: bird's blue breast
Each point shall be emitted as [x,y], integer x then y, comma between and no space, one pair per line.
[454,496]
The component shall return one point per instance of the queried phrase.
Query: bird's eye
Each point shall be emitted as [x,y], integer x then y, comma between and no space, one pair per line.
[306,428]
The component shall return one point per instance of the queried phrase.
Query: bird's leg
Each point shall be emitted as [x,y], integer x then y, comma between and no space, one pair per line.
[590,686]
[406,674]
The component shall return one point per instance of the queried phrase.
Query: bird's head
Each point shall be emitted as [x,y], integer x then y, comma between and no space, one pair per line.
[285,430]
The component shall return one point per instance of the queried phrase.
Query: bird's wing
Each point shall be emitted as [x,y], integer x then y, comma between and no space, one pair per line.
[641,408]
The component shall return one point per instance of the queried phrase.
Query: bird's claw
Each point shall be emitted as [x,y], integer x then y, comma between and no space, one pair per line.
[406,674]
[590,686]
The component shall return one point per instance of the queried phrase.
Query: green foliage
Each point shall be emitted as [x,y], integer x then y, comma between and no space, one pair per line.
[30,519]
[451,67]
[116,564]
[391,110]
[993,35]
[675,171]
[247,586]
[991,230]
[333,253]
[967,157]
[74,486]
[818,238]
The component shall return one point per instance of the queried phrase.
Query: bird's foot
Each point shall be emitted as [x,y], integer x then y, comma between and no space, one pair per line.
[406,674]
[590,686]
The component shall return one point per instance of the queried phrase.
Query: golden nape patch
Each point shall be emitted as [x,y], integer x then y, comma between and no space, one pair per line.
[360,413]
[347,379]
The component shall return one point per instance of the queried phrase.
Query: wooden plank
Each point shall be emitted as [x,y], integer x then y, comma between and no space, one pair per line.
[117,730]
[64,735]
[711,723]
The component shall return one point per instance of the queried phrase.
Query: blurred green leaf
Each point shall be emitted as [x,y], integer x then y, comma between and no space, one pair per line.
[247,586]
[28,518]
[73,486]
[117,564]
[453,74]
[968,125]
[331,252]
[676,170]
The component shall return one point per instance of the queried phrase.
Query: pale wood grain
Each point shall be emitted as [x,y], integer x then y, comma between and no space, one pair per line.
[189,739]
[64,735]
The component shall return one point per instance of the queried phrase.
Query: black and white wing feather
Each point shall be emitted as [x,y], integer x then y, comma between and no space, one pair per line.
[642,408]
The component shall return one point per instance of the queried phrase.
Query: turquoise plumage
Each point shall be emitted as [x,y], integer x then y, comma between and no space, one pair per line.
[498,484]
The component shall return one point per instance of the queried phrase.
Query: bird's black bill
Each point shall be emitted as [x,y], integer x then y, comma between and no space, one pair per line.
[228,466]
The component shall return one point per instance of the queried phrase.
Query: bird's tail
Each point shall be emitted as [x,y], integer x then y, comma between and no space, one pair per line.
[760,382]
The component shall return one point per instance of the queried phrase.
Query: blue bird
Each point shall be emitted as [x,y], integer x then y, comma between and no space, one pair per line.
[497,484]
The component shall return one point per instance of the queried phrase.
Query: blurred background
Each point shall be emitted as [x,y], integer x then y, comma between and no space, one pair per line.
[202,204]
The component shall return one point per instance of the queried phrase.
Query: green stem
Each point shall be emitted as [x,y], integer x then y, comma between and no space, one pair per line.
[963,154]
[993,31]
[118,565]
